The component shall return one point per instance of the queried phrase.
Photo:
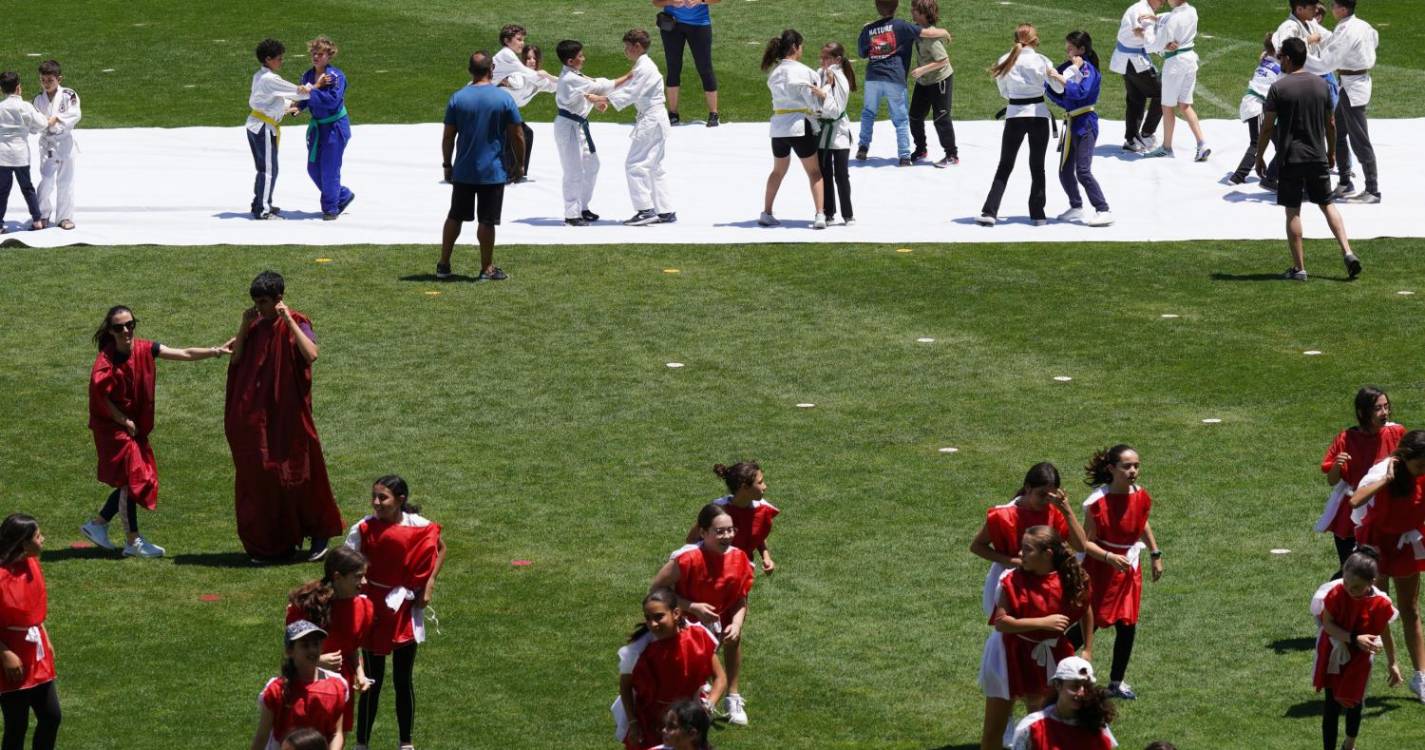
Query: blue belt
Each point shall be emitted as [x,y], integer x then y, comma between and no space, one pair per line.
[1120,47]
[583,123]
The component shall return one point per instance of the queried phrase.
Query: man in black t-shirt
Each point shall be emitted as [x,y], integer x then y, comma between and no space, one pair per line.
[1298,113]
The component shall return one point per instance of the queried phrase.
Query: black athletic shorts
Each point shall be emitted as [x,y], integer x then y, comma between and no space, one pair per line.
[803,145]
[462,202]
[1312,179]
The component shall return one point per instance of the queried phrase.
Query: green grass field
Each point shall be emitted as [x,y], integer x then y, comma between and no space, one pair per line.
[537,420]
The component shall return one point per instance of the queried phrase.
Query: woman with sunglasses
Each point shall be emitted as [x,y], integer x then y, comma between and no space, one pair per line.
[121,418]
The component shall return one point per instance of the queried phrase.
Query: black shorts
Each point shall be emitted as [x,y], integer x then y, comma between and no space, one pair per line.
[462,202]
[803,145]
[1312,179]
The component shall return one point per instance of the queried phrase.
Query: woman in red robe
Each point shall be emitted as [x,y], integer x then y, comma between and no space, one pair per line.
[121,388]
[280,486]
[27,658]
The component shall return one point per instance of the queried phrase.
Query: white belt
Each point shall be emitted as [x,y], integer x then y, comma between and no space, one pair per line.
[1043,654]
[33,635]
[395,596]
[1416,542]
[1132,551]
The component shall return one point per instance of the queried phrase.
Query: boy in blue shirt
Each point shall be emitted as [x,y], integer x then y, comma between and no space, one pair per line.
[886,44]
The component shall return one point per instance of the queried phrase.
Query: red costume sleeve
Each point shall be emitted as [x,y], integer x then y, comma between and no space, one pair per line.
[1329,460]
[421,550]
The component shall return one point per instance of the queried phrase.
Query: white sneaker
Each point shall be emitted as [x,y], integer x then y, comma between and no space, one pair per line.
[736,709]
[819,222]
[1073,214]
[1417,686]
[1147,144]
[1101,219]
[848,222]
[985,220]
[768,220]
[141,547]
[98,533]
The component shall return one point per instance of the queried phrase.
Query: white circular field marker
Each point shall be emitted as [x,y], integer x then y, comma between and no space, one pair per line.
[1405,292]
[671,270]
[1062,378]
[805,406]
[1281,551]
[925,340]
[107,70]
[903,250]
[949,450]
[1212,420]
[1170,316]
[674,365]
[1312,353]
[34,54]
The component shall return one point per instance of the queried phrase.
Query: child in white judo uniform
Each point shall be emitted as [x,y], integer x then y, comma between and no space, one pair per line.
[522,83]
[643,88]
[271,99]
[60,106]
[572,138]
[1173,37]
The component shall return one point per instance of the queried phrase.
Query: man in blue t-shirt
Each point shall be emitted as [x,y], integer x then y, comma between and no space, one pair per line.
[885,44]
[483,117]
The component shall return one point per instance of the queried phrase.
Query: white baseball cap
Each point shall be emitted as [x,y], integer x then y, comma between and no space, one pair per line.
[1074,668]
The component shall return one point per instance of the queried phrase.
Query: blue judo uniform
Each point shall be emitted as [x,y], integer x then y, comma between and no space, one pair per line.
[327,136]
[1080,135]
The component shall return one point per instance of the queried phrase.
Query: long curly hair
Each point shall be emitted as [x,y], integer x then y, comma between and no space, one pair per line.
[1075,580]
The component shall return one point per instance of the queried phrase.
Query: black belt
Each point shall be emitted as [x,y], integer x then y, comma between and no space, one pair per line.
[1031,100]
[584,123]
[1352,72]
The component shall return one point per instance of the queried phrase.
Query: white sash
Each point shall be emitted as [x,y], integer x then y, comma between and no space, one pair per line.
[1339,494]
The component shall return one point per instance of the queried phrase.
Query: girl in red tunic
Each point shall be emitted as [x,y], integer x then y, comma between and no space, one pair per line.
[751,514]
[1116,517]
[1039,502]
[667,660]
[1354,451]
[304,696]
[1389,511]
[335,603]
[1355,620]
[404,553]
[26,655]
[712,579]
[121,390]
[1076,717]
[1038,602]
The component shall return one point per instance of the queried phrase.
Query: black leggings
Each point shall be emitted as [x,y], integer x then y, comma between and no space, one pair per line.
[1331,716]
[509,157]
[1124,635]
[1016,129]
[835,180]
[44,701]
[936,99]
[404,661]
[1344,548]
[700,39]
[111,507]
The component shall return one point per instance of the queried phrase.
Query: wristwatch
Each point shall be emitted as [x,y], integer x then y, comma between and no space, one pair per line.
[1156,554]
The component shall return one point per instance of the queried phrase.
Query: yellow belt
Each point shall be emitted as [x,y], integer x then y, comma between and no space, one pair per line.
[802,111]
[276,128]
[1066,139]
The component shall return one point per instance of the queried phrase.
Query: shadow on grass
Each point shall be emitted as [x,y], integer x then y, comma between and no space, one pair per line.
[1289,645]
[220,560]
[1219,276]
[425,278]
[965,746]
[1375,706]
[70,553]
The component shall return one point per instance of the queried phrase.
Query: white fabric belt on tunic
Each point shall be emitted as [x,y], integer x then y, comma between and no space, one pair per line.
[1340,656]
[33,635]
[1044,654]
[1340,493]
[1132,551]
[395,596]
[1416,542]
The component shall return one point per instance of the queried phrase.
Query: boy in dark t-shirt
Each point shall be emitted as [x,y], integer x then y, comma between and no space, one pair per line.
[885,44]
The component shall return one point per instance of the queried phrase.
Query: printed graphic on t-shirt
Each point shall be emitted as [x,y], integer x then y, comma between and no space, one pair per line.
[883,43]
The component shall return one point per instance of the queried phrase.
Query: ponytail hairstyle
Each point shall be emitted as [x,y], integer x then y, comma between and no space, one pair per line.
[102,337]
[1364,563]
[711,511]
[15,531]
[1096,470]
[1095,710]
[1071,573]
[1024,36]
[289,677]
[663,595]
[1411,448]
[1042,474]
[779,47]
[693,719]
[738,475]
[1083,41]
[1366,399]
[835,50]
[314,598]
[398,487]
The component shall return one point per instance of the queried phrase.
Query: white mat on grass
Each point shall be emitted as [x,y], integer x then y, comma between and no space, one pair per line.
[192,186]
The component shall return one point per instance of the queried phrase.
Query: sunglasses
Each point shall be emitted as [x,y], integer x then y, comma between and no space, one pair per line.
[120,327]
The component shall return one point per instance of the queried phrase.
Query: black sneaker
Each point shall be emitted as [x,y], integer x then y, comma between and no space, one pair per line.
[341,207]
[669,218]
[919,155]
[1269,184]
[861,154]
[642,219]
[494,274]
[1236,179]
[267,216]
[712,120]
[948,161]
[588,215]
[275,210]
[1353,265]
[442,271]
[904,162]
[329,217]
[1342,190]
[579,222]
[1294,274]
[673,118]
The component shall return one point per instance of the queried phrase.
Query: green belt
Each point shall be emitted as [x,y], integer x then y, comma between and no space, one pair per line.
[1254,95]
[828,133]
[316,137]
[1174,53]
